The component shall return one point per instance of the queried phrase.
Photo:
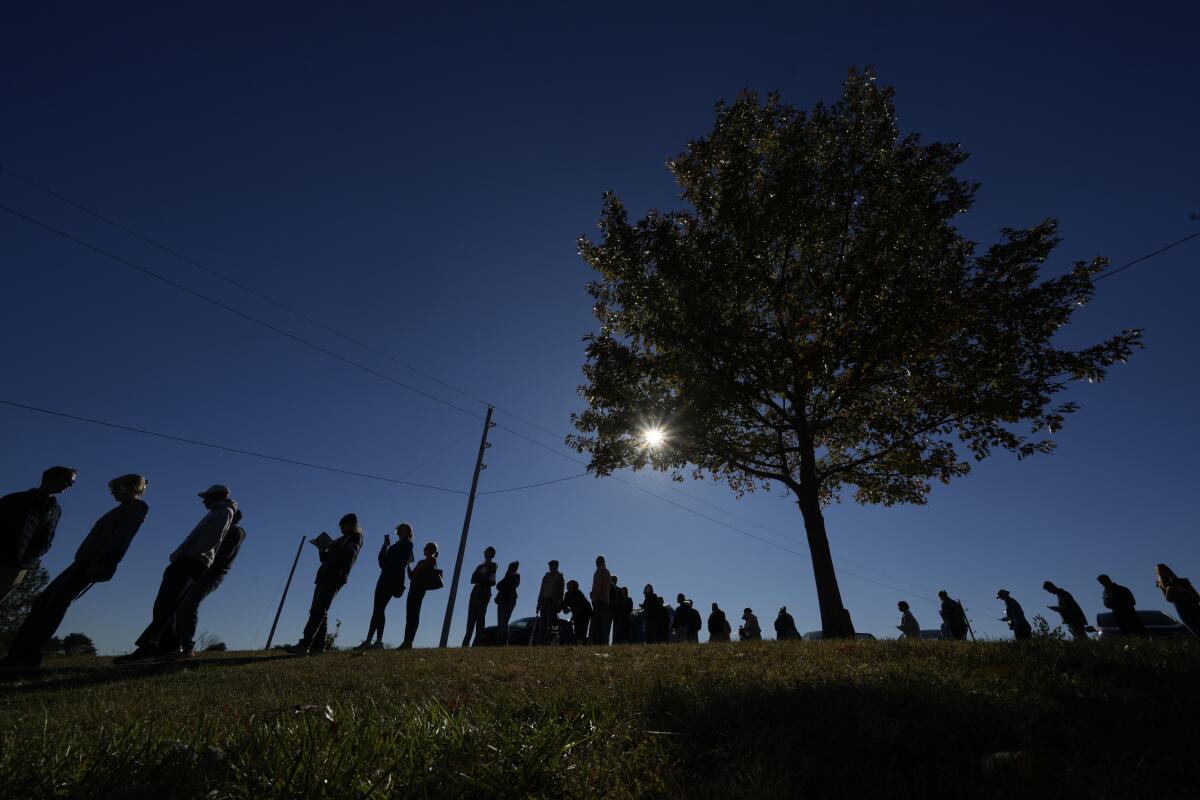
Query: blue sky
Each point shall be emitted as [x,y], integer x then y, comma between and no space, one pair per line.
[417,179]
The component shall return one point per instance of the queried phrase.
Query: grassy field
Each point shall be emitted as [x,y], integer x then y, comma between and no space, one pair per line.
[769,719]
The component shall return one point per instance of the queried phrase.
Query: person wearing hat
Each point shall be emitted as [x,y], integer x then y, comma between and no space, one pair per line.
[1014,615]
[189,561]
[187,616]
[1072,615]
[750,631]
[337,559]
[95,561]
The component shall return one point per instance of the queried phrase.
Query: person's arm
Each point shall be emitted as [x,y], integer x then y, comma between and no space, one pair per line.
[43,537]
[383,554]
[206,535]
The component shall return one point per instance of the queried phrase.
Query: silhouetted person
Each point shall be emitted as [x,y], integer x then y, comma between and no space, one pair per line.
[652,610]
[687,622]
[749,631]
[601,614]
[421,579]
[1072,615]
[482,581]
[718,625]
[27,523]
[909,627]
[95,561]
[785,625]
[1180,593]
[337,559]
[187,563]
[180,639]
[954,616]
[506,600]
[1119,600]
[550,600]
[393,565]
[1014,615]
[581,610]
[621,607]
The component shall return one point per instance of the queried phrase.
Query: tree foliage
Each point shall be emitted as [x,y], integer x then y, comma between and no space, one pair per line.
[817,303]
[78,644]
[15,607]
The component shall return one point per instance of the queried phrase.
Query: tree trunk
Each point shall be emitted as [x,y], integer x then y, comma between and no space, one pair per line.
[835,619]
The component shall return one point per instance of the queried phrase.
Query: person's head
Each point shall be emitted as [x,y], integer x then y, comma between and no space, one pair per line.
[746,613]
[349,524]
[57,479]
[715,608]
[237,516]
[612,580]
[214,494]
[649,589]
[513,566]
[903,606]
[127,487]
[1002,594]
[489,553]
[430,550]
[599,561]
[1104,580]
[553,565]
[783,609]
[944,594]
[572,586]
[1050,587]
[404,531]
[1164,574]
[679,597]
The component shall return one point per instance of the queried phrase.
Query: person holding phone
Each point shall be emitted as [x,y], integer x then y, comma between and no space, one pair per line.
[393,563]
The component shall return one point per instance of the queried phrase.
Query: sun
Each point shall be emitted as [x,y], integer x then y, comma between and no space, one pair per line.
[653,437]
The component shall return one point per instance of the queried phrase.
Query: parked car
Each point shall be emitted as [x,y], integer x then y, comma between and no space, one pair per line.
[935,633]
[521,630]
[1159,624]
[816,636]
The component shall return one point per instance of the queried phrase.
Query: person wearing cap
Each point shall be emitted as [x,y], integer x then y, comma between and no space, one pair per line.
[187,563]
[750,631]
[718,625]
[187,616]
[95,561]
[785,626]
[1014,615]
[27,523]
[482,581]
[1072,615]
[337,559]
[909,627]
[421,578]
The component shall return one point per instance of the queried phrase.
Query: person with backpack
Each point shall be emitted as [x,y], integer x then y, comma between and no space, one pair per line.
[1072,615]
[506,600]
[1179,593]
[750,630]
[337,559]
[28,521]
[954,616]
[718,625]
[95,561]
[785,626]
[581,610]
[1119,600]
[393,562]
[1014,615]
[187,563]
[909,627]
[424,577]
[180,639]
[482,581]
[549,601]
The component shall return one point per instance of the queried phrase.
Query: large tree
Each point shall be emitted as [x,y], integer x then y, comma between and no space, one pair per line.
[815,318]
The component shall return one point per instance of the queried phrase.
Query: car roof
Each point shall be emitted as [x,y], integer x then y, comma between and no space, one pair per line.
[1107,619]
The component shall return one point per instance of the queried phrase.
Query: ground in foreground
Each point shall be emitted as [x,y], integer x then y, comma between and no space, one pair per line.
[795,719]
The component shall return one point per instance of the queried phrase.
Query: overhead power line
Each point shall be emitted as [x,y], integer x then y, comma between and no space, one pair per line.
[1140,259]
[279,459]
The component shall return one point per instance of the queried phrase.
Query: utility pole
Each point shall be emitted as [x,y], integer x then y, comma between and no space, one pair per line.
[286,586]
[462,543]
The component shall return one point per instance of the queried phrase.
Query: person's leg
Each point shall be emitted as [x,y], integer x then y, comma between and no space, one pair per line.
[46,615]
[503,615]
[177,579]
[412,615]
[10,578]
[315,628]
[187,616]
[481,617]
[473,615]
[548,617]
[382,596]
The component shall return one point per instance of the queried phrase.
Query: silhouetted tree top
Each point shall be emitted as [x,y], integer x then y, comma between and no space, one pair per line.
[815,318]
